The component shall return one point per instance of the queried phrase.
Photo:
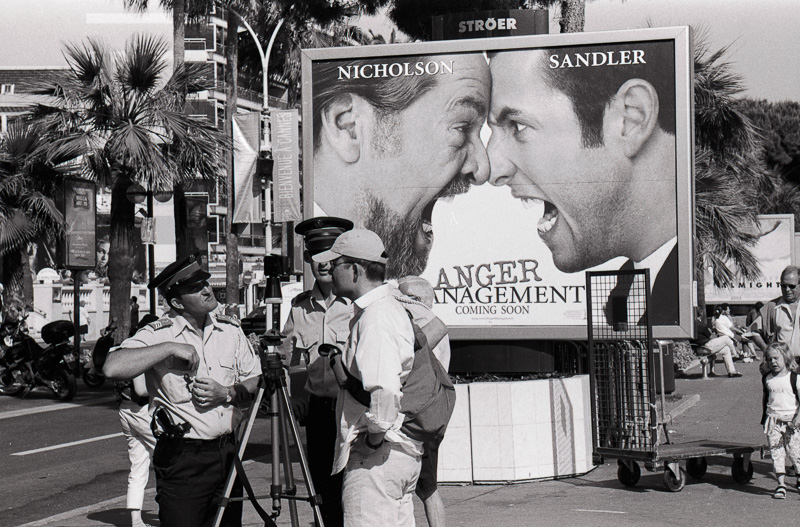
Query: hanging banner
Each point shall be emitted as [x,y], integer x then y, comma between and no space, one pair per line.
[148,231]
[286,170]
[502,169]
[247,199]
[80,208]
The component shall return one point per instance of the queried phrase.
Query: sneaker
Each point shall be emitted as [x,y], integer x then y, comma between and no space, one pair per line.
[780,493]
[747,360]
[734,374]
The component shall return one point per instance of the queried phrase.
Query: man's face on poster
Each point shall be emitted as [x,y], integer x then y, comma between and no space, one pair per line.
[537,149]
[410,158]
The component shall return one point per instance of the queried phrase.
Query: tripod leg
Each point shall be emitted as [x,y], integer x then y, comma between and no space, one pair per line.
[251,419]
[288,473]
[284,394]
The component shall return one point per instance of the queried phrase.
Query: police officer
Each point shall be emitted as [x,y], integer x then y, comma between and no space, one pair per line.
[199,367]
[318,316]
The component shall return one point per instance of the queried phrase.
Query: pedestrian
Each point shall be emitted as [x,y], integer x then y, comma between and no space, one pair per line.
[134,312]
[135,420]
[381,463]
[781,417]
[199,368]
[417,297]
[319,316]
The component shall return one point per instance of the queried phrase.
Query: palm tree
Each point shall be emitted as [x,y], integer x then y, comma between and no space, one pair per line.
[122,113]
[28,213]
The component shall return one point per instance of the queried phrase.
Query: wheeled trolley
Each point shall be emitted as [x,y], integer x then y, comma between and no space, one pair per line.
[628,418]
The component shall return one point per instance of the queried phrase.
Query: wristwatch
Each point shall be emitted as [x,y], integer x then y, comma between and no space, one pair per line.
[229,397]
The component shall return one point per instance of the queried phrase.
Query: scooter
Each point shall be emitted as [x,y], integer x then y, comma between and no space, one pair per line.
[92,374]
[24,364]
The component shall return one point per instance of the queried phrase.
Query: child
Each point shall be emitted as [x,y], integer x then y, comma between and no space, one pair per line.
[781,417]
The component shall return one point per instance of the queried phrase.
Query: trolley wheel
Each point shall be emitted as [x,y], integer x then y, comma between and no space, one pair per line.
[739,473]
[696,467]
[628,476]
[674,482]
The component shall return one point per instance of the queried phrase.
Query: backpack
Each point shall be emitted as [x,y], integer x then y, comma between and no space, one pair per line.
[765,398]
[429,396]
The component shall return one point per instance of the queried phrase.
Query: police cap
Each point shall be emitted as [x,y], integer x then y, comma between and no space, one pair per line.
[178,275]
[320,233]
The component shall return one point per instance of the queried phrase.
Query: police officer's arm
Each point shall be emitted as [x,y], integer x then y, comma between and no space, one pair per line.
[126,363]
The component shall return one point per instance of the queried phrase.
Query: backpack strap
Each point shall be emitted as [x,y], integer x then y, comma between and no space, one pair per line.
[793,380]
[765,397]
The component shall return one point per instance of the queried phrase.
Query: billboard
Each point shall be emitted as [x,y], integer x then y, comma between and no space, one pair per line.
[774,250]
[503,169]
[80,217]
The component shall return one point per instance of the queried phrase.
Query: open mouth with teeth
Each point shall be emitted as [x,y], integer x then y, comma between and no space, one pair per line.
[424,238]
[549,214]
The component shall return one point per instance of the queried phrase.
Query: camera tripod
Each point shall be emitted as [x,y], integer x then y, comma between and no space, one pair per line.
[273,383]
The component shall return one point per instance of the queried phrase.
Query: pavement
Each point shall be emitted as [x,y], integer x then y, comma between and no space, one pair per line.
[716,408]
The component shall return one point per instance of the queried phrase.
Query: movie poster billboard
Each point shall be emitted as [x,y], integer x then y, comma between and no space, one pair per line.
[774,251]
[503,169]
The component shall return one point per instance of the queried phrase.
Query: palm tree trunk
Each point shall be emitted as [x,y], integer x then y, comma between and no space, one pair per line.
[573,16]
[121,256]
[231,86]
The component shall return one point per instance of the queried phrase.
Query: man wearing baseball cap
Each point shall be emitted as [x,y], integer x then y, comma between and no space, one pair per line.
[318,316]
[381,464]
[198,367]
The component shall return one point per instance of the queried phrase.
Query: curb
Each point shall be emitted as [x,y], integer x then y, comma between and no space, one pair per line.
[687,403]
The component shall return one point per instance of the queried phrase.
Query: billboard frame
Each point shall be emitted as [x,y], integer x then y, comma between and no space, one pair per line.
[681,37]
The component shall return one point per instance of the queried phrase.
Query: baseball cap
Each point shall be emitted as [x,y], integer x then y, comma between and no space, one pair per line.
[361,244]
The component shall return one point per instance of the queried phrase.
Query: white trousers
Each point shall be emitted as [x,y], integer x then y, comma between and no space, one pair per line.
[135,421]
[379,486]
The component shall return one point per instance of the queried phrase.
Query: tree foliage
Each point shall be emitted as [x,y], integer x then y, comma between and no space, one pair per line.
[124,116]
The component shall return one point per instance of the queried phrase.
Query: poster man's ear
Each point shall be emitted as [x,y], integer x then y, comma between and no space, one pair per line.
[639,101]
[340,126]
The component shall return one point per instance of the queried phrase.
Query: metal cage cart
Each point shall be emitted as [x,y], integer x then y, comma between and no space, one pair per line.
[628,418]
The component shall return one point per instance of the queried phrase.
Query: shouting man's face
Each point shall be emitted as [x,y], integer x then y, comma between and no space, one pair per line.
[397,164]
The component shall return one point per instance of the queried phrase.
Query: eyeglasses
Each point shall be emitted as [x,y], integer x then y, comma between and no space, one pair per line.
[196,288]
[788,286]
[338,262]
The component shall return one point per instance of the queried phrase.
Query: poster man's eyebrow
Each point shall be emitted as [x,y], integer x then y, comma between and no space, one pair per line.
[472,103]
[504,115]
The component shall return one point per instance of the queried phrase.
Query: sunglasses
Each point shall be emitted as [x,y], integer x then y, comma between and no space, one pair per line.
[337,263]
[196,288]
[788,286]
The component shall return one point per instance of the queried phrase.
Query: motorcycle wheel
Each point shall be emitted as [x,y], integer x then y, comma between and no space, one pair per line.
[64,384]
[91,379]
[10,388]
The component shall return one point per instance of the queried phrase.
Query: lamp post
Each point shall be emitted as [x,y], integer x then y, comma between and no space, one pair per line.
[266,145]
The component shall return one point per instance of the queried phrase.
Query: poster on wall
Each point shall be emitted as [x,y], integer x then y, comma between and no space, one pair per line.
[502,169]
[80,217]
[774,251]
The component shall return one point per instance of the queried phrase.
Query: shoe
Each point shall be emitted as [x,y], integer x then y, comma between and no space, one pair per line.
[734,374]
[780,493]
[747,360]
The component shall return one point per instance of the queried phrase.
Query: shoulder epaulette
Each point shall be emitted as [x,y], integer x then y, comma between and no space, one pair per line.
[301,297]
[228,320]
[161,323]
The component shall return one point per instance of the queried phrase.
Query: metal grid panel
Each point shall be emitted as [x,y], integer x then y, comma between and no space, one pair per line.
[620,341]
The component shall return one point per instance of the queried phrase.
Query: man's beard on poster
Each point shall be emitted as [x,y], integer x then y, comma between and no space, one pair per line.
[407,254]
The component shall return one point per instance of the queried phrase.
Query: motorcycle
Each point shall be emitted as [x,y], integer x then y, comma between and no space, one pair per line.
[92,374]
[24,364]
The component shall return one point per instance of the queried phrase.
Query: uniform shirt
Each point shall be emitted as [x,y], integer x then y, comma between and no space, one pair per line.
[310,324]
[784,323]
[781,404]
[225,356]
[380,352]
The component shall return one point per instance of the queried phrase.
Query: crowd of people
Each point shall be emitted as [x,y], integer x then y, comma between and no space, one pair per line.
[199,371]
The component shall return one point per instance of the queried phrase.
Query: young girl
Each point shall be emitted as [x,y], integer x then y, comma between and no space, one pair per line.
[781,417]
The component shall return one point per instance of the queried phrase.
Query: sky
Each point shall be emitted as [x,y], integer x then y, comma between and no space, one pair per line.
[763,36]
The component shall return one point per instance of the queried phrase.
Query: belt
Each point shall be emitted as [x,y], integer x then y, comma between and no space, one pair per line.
[328,402]
[198,445]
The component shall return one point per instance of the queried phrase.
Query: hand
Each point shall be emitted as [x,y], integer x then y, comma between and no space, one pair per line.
[208,393]
[299,408]
[184,357]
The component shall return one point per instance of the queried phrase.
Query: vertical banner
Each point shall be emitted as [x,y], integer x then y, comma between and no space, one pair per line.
[247,199]
[286,171]
[80,207]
